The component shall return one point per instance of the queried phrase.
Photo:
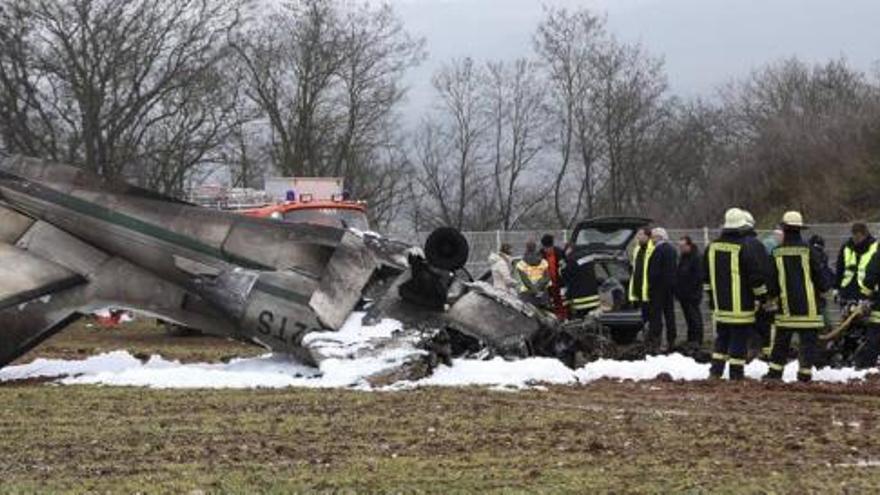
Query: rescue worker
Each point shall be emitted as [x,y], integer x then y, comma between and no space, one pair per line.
[735,286]
[500,262]
[866,357]
[689,289]
[661,287]
[852,261]
[581,285]
[759,341]
[533,273]
[555,258]
[638,281]
[798,284]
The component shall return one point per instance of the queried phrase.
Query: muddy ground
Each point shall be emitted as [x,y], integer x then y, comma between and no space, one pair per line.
[649,437]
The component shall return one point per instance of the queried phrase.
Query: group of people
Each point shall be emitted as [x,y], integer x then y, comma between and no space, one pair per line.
[565,282]
[761,292]
[538,276]
[659,276]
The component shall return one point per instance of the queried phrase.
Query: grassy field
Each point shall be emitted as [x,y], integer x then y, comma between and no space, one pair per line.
[651,437]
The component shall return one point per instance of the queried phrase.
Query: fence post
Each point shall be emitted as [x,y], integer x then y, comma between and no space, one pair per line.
[705,236]
[497,241]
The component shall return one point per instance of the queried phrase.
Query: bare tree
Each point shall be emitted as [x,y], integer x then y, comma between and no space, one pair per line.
[630,111]
[515,108]
[464,127]
[117,86]
[327,76]
[565,42]
[798,133]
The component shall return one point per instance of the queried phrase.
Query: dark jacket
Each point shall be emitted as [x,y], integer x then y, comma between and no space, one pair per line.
[799,290]
[579,276]
[761,253]
[662,268]
[750,283]
[824,266]
[689,277]
[850,292]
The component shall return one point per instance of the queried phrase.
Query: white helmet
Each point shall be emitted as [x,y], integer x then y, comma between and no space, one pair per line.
[735,219]
[793,219]
[749,218]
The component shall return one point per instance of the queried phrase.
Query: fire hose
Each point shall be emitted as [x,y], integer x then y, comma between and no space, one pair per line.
[844,325]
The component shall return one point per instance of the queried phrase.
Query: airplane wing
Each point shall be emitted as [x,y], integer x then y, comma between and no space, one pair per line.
[37,297]
[49,278]
[25,277]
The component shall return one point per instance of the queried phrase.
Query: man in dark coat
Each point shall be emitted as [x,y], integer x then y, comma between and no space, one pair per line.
[661,286]
[689,289]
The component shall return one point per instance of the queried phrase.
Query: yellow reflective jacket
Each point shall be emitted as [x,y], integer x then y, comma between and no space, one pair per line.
[533,278]
[638,280]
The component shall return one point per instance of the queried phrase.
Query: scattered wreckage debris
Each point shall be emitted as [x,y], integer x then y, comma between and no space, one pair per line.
[72,243]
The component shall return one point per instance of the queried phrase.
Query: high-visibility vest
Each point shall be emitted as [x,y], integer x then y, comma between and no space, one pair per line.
[799,304]
[535,274]
[855,264]
[640,293]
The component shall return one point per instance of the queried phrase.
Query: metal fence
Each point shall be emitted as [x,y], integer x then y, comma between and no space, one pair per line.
[484,243]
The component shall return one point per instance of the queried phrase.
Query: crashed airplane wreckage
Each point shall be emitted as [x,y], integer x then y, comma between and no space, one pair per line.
[72,243]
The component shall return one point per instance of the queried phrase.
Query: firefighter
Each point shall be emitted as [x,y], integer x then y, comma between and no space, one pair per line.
[533,274]
[852,262]
[638,281]
[866,356]
[735,286]
[555,258]
[798,285]
[581,285]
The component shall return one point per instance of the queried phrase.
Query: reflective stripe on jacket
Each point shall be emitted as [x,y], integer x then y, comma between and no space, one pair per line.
[798,272]
[638,281]
[734,279]
[855,265]
[579,276]
[533,278]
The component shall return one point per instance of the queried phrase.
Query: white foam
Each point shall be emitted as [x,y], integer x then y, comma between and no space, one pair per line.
[121,369]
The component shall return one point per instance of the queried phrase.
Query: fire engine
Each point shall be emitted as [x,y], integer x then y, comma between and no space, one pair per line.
[318,200]
[335,211]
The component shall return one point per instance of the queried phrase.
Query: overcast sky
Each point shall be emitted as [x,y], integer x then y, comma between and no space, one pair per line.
[703,42]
